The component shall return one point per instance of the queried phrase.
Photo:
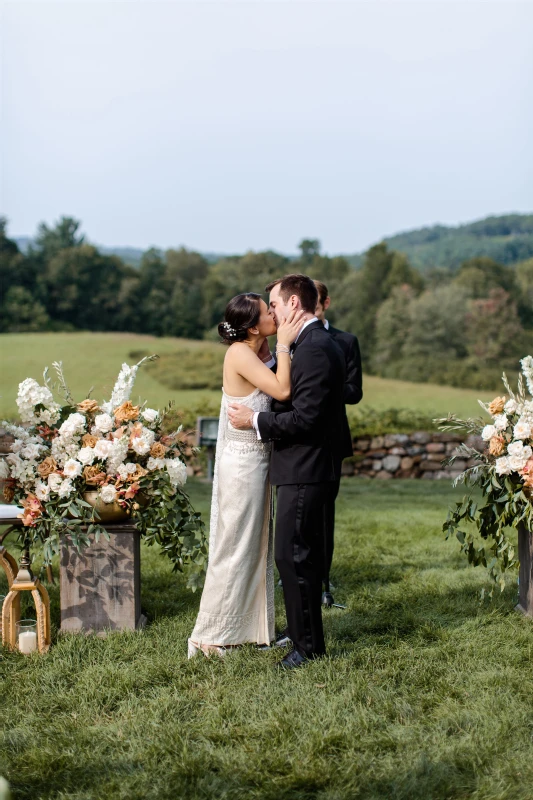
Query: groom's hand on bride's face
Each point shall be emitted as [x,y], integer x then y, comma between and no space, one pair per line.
[240,416]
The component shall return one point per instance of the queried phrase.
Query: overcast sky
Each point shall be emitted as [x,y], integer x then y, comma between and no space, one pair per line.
[230,126]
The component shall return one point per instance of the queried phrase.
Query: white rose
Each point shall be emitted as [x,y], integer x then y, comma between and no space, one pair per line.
[155,463]
[177,471]
[510,406]
[74,423]
[141,446]
[515,448]
[108,494]
[72,468]
[516,463]
[501,422]
[502,466]
[103,423]
[54,481]
[131,467]
[149,414]
[488,432]
[103,448]
[522,430]
[86,456]
[42,491]
[65,488]
[122,471]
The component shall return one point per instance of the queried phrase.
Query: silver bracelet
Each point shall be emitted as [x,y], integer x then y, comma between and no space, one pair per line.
[282,348]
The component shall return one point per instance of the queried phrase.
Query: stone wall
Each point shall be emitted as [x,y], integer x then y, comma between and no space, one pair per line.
[414,455]
[394,455]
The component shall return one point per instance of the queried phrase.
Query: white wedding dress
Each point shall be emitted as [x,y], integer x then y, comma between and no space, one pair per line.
[237,604]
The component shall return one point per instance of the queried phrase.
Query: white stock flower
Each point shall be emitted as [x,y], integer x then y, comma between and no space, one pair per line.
[103,448]
[117,454]
[42,491]
[510,407]
[103,423]
[488,432]
[30,395]
[501,422]
[65,488]
[149,414]
[4,469]
[72,468]
[31,451]
[86,456]
[527,369]
[177,471]
[54,481]
[122,388]
[522,430]
[140,445]
[17,446]
[108,494]
[502,466]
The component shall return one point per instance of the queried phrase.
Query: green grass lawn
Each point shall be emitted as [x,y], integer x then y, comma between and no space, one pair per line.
[95,358]
[425,694]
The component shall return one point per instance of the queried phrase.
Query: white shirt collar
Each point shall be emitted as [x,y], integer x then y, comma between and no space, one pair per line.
[326,324]
[309,321]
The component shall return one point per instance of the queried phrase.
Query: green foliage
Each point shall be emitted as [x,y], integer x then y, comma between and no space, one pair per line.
[374,422]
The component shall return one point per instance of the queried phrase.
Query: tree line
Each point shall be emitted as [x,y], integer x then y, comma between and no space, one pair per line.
[459,326]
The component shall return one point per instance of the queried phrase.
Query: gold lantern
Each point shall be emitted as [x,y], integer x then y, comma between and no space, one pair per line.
[24,581]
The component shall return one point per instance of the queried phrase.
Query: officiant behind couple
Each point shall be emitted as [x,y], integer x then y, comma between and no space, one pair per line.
[282,423]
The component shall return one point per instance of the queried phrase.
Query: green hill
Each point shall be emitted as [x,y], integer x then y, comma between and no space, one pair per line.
[507,239]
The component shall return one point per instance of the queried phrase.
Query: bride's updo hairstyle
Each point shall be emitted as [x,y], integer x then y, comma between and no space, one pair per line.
[242,312]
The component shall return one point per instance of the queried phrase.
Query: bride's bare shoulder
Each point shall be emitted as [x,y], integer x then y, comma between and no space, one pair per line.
[237,352]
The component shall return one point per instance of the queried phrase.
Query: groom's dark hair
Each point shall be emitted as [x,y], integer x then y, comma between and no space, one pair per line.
[302,286]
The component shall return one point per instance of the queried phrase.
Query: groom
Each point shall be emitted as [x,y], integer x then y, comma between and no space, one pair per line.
[307,434]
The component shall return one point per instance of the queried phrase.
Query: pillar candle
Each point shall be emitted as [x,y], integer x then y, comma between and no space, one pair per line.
[28,642]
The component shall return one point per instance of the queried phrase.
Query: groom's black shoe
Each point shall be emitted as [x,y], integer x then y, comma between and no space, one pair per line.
[292,660]
[283,639]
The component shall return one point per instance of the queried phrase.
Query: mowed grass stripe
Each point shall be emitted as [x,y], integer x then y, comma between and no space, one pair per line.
[95,359]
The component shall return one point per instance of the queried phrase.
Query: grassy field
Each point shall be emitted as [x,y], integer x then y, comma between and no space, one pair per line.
[425,694]
[96,358]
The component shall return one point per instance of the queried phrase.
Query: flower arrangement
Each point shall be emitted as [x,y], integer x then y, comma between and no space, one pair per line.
[504,474]
[61,453]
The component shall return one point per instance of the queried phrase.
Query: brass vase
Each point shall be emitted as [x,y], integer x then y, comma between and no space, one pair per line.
[107,512]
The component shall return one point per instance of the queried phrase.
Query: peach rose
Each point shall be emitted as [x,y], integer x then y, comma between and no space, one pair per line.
[139,473]
[88,407]
[88,440]
[496,445]
[126,412]
[497,406]
[47,466]
[9,493]
[158,450]
[93,476]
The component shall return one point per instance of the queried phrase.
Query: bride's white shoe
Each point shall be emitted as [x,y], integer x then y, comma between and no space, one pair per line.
[207,649]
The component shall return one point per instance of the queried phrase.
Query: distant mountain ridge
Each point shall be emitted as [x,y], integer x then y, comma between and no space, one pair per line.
[507,238]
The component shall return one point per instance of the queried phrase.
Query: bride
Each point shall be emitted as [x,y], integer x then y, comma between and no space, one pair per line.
[237,604]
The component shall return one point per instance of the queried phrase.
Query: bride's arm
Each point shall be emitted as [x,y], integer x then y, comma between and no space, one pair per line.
[252,369]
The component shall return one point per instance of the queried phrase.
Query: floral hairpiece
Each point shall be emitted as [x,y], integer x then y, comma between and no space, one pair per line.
[229,330]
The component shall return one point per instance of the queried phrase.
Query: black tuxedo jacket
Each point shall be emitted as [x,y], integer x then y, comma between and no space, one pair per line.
[353,386]
[307,431]
[349,344]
